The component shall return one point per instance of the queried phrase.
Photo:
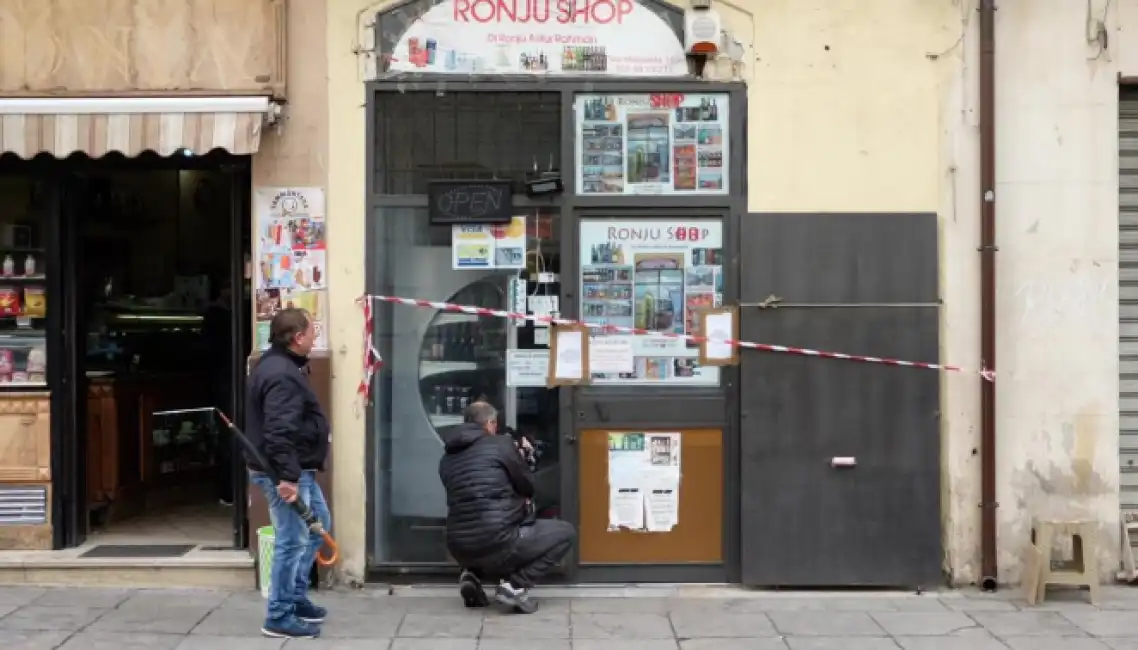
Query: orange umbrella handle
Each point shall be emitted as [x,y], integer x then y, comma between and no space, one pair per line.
[330,545]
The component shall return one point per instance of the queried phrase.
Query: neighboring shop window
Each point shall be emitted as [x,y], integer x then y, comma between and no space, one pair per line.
[653,275]
[670,143]
[23,304]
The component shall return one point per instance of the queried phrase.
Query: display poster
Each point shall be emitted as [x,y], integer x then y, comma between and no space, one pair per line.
[644,481]
[580,38]
[653,275]
[668,143]
[527,368]
[291,257]
[489,246]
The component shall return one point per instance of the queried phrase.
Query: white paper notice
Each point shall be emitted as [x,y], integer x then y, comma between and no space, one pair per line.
[644,481]
[611,354]
[541,336]
[626,508]
[570,363]
[627,458]
[719,329]
[661,482]
[662,503]
[527,367]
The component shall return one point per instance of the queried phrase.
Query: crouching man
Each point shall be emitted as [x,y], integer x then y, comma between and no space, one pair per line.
[489,528]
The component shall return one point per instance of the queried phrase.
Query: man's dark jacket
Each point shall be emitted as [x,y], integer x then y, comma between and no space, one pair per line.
[283,417]
[487,485]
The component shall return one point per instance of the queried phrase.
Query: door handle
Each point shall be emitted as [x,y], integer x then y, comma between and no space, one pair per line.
[842,462]
[571,438]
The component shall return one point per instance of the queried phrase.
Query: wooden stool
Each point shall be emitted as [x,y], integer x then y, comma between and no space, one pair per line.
[1081,571]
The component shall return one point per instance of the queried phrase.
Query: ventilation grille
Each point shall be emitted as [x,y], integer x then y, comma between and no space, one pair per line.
[22,505]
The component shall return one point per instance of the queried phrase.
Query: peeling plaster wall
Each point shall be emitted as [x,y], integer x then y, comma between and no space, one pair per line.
[1057,287]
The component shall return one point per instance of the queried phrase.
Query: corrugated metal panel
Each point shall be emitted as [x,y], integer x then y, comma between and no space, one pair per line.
[1128,302]
[21,505]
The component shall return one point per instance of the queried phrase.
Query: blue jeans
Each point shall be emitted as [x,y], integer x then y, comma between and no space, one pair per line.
[295,549]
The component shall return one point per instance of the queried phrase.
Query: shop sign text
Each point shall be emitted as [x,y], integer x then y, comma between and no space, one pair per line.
[565,12]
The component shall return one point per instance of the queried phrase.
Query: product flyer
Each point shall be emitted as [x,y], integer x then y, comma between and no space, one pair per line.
[667,143]
[653,275]
[627,457]
[644,481]
[290,257]
[489,246]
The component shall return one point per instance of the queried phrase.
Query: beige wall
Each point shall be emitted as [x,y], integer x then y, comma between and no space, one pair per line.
[871,105]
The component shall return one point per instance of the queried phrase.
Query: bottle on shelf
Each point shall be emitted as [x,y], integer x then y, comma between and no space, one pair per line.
[9,267]
[30,265]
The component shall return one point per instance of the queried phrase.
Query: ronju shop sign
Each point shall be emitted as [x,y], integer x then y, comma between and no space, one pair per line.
[571,37]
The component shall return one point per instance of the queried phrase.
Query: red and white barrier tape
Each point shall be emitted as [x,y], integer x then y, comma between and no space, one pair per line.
[372,360]
[373,355]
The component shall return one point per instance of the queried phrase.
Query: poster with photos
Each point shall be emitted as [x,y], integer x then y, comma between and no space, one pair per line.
[654,275]
[290,265]
[664,143]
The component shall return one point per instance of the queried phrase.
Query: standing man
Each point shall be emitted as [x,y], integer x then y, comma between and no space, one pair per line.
[285,421]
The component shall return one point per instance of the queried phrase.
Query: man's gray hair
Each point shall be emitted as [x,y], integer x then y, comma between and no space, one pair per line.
[480,413]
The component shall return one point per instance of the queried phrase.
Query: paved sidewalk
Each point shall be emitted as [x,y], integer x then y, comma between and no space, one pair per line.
[643,618]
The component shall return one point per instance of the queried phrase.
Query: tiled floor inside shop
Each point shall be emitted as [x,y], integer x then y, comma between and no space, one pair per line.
[206,524]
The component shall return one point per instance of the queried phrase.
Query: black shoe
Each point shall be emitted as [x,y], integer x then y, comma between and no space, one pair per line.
[471,589]
[515,598]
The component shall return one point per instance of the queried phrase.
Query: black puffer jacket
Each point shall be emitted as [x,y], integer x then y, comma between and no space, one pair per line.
[487,485]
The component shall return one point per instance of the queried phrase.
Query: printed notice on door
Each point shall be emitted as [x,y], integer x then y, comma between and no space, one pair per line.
[644,481]
[661,483]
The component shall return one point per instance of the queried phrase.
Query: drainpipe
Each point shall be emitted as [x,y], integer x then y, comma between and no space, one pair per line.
[988,505]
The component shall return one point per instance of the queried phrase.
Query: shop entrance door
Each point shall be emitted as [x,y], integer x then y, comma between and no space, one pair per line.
[840,460]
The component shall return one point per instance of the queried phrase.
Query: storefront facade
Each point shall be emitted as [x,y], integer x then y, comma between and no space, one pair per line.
[878,116]
[422,125]
[129,101]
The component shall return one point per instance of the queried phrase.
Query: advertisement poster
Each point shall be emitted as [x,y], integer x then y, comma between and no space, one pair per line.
[669,143]
[290,267]
[653,275]
[644,481]
[585,37]
[489,247]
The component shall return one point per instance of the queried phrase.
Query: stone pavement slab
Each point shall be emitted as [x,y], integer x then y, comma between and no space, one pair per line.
[618,618]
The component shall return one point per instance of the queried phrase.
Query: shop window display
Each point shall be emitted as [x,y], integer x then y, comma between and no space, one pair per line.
[23,300]
[665,143]
[436,363]
[653,275]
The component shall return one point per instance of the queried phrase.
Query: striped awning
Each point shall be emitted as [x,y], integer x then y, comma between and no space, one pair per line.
[55,130]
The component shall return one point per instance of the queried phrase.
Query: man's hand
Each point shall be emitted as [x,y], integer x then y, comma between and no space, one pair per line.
[287,491]
[524,447]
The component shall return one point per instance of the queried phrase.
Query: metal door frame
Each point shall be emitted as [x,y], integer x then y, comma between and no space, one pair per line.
[621,403]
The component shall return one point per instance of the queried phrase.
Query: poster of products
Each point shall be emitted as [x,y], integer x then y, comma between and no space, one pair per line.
[653,275]
[290,264]
[485,246]
[644,481]
[670,143]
